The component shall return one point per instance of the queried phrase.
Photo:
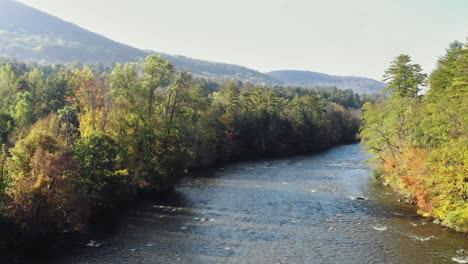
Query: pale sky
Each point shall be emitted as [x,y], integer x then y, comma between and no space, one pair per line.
[339,37]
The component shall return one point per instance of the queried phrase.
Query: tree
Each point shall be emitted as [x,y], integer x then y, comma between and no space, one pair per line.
[227,103]
[92,98]
[404,78]
[441,78]
[55,93]
[4,176]
[175,99]
[158,73]
[422,143]
[100,180]
[205,133]
[149,105]
[44,177]
[23,111]
[7,126]
[9,86]
[79,143]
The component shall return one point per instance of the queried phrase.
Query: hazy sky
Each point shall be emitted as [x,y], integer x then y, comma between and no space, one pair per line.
[341,37]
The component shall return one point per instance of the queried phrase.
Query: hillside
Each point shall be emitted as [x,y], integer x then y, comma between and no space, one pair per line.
[219,71]
[314,79]
[29,34]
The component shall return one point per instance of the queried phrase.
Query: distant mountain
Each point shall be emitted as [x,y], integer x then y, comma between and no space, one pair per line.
[314,79]
[219,71]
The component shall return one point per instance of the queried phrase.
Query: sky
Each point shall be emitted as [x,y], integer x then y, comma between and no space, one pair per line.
[338,37]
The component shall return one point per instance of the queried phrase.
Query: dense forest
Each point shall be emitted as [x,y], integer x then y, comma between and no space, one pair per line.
[84,141]
[420,142]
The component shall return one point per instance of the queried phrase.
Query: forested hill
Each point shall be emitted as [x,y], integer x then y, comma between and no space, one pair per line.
[29,34]
[314,79]
[220,71]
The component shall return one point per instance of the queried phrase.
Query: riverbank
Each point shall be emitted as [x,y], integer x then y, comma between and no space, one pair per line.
[420,139]
[292,209]
[104,223]
[407,199]
[85,152]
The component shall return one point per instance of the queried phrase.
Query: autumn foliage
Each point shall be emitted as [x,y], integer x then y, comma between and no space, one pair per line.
[420,142]
[82,143]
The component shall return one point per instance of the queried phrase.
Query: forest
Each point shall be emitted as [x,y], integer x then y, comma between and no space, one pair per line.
[81,142]
[420,141]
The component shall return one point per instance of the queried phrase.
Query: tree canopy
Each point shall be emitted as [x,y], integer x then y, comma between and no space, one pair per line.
[82,142]
[421,143]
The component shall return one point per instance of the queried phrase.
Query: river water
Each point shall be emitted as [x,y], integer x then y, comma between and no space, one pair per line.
[290,210]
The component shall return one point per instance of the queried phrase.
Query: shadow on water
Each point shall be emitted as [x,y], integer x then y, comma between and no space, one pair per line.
[102,234]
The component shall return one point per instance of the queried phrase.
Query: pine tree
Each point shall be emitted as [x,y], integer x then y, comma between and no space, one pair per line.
[404,78]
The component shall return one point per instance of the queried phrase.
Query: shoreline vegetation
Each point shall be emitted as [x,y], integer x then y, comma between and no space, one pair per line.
[84,142]
[420,141]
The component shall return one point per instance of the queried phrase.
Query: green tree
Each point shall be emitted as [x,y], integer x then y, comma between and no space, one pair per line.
[4,177]
[7,126]
[441,78]
[100,180]
[158,73]
[404,78]
[55,93]
[421,144]
[9,86]
[23,111]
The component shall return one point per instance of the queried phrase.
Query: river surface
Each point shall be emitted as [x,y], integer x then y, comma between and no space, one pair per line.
[290,210]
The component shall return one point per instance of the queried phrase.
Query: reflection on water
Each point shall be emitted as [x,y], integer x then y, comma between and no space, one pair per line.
[292,210]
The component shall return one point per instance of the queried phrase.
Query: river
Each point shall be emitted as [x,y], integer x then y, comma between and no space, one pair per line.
[290,210]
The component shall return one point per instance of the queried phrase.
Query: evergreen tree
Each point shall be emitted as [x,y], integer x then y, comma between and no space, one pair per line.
[404,78]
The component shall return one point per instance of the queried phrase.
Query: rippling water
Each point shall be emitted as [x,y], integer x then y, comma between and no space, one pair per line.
[291,210]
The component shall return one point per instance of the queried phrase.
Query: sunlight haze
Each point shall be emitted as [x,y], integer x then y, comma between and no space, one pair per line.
[348,37]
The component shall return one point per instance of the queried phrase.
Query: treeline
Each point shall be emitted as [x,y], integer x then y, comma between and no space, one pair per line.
[346,98]
[421,141]
[83,142]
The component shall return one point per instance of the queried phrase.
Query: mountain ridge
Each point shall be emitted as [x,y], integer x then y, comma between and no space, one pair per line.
[29,34]
[304,78]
